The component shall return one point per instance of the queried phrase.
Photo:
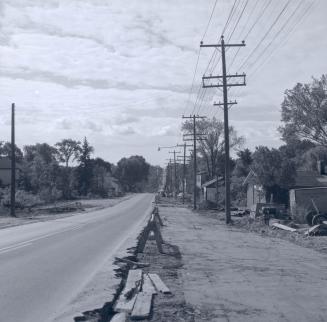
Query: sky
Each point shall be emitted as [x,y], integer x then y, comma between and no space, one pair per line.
[120,72]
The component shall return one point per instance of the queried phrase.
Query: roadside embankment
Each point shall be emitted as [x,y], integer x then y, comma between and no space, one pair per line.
[58,210]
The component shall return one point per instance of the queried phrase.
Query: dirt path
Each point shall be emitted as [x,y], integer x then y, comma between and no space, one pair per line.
[229,274]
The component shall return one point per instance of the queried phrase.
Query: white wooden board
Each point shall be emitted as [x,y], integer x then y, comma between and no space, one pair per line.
[120,317]
[159,284]
[123,304]
[148,287]
[280,226]
[142,307]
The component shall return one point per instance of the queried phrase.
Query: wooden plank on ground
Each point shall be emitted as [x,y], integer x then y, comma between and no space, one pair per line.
[142,307]
[126,300]
[280,226]
[312,230]
[159,284]
[120,317]
[147,286]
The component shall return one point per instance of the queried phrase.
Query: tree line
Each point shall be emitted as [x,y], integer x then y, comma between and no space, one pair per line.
[68,170]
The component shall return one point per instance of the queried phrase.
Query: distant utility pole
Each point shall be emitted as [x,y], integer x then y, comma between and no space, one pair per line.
[170,174]
[175,171]
[13,164]
[225,104]
[184,166]
[195,138]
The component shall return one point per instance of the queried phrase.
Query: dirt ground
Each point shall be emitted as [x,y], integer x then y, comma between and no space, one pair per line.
[167,307]
[43,214]
[318,243]
[230,274]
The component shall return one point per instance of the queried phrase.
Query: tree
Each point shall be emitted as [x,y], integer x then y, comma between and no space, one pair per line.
[304,112]
[274,172]
[42,150]
[243,163]
[68,149]
[84,169]
[101,175]
[5,151]
[132,172]
[212,147]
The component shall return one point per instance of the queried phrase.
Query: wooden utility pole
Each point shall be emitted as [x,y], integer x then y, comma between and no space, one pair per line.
[13,164]
[225,86]
[195,138]
[184,167]
[175,172]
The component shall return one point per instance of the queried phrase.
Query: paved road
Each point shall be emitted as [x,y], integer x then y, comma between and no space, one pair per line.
[44,265]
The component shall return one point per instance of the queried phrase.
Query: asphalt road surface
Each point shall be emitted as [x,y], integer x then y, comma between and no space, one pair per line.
[44,265]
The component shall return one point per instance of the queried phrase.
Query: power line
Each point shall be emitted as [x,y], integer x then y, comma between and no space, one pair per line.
[266,34]
[193,80]
[208,25]
[249,19]
[238,20]
[256,21]
[229,17]
[300,19]
[286,23]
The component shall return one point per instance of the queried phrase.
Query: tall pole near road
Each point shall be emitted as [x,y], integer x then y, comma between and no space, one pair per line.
[184,146]
[13,164]
[194,139]
[175,172]
[225,86]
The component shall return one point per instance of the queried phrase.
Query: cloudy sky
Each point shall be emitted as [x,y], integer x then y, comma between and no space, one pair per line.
[120,72]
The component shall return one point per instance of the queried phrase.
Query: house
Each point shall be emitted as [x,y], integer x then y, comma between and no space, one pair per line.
[5,171]
[254,191]
[309,193]
[211,189]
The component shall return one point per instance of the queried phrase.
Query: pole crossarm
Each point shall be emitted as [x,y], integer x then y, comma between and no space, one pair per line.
[242,44]
[166,147]
[242,81]
[222,104]
[192,117]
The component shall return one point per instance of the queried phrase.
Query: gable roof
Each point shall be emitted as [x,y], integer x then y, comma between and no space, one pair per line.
[307,179]
[250,178]
[209,183]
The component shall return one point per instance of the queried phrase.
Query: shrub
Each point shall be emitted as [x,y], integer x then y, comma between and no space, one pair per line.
[23,199]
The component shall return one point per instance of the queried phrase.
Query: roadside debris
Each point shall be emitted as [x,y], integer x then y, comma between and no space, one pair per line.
[317,230]
[136,297]
[131,263]
[284,227]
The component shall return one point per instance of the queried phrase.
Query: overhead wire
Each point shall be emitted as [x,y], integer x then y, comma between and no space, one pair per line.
[297,21]
[246,2]
[280,14]
[199,52]
[294,20]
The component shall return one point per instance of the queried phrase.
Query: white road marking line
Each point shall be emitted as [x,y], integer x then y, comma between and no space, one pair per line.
[30,242]
[9,249]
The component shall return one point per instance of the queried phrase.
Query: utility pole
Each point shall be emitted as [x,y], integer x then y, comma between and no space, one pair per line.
[13,164]
[195,138]
[175,172]
[225,104]
[184,166]
[170,167]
